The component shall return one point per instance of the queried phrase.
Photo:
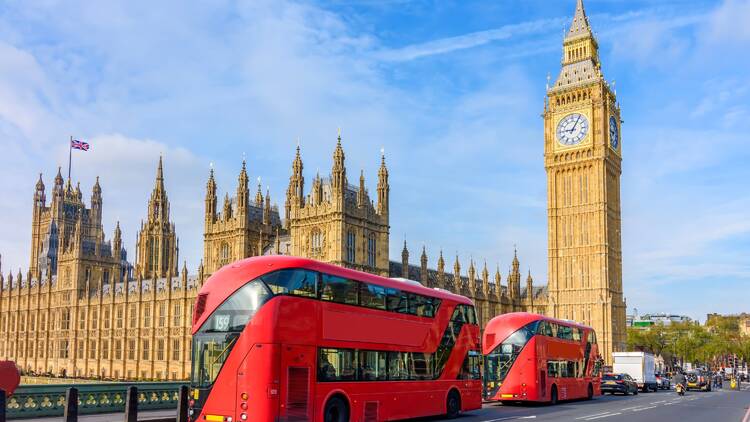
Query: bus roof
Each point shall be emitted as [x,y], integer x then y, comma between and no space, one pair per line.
[231,277]
[516,320]
[504,325]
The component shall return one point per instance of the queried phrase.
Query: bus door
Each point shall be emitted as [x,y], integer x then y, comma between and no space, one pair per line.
[296,386]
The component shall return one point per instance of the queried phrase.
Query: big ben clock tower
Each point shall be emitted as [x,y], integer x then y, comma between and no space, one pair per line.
[583,157]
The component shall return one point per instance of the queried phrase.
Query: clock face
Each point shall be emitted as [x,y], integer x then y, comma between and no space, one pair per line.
[572,129]
[614,132]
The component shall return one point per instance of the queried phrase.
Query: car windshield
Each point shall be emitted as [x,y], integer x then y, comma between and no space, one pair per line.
[217,336]
[611,377]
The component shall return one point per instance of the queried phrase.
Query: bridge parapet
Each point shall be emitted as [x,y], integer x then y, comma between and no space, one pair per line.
[34,401]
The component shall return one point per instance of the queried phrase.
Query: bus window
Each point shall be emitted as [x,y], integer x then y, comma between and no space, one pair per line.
[471,368]
[293,282]
[417,304]
[433,305]
[397,301]
[372,366]
[372,296]
[577,334]
[499,361]
[339,290]
[424,364]
[398,366]
[564,332]
[545,329]
[471,314]
[217,336]
[552,369]
[337,365]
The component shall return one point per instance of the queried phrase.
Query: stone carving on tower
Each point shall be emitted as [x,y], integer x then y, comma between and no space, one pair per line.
[582,150]
[157,248]
[338,222]
[242,229]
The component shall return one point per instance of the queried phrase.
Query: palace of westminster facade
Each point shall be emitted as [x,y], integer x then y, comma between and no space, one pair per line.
[84,310]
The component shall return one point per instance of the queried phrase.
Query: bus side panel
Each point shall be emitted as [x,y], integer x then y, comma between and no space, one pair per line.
[297,320]
[258,377]
[298,366]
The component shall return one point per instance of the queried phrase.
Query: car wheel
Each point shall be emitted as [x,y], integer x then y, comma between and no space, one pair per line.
[453,404]
[336,410]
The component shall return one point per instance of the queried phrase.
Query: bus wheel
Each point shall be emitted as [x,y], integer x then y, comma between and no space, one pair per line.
[336,410]
[453,404]
[553,396]
[590,392]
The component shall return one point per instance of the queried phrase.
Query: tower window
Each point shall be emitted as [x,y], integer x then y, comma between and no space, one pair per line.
[371,251]
[316,242]
[350,246]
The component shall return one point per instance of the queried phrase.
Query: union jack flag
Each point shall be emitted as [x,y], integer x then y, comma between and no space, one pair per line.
[76,144]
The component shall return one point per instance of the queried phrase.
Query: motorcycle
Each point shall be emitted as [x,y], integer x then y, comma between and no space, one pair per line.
[680,389]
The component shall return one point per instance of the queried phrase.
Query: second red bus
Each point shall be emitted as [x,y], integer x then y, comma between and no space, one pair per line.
[533,358]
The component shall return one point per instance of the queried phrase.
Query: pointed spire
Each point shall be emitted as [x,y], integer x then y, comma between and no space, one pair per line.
[361,198]
[338,172]
[383,186]
[59,178]
[441,262]
[97,188]
[160,171]
[259,195]
[405,261]
[580,25]
[40,183]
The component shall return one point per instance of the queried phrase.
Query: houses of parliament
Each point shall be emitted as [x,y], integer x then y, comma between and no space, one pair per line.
[82,309]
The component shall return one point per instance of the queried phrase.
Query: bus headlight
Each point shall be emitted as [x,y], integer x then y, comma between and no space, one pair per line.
[243,416]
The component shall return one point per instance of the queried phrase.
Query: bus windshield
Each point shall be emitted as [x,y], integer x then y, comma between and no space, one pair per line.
[216,337]
[500,360]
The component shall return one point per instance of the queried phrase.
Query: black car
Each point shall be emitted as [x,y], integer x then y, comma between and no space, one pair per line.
[619,383]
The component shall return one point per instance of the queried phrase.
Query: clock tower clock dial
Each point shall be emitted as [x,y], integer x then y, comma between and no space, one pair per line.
[582,155]
[614,132]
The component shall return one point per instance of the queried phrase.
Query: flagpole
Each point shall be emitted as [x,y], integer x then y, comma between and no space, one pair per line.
[70,155]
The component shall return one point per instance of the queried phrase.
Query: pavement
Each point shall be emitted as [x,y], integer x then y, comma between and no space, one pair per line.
[662,406]
[146,415]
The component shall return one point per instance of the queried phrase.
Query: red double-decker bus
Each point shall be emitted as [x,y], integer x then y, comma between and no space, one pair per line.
[530,357]
[291,339]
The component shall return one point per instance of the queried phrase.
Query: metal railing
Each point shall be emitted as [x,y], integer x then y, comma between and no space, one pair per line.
[70,401]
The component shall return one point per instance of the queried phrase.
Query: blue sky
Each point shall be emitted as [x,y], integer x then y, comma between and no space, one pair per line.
[453,91]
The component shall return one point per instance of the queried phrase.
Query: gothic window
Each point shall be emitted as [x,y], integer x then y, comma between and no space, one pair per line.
[224,254]
[316,242]
[119,317]
[88,274]
[32,321]
[79,353]
[146,352]
[133,315]
[147,315]
[176,349]
[177,315]
[162,314]
[63,349]
[160,349]
[131,349]
[92,349]
[65,320]
[105,277]
[153,250]
[81,319]
[105,349]
[39,348]
[106,318]
[351,245]
[118,349]
[371,250]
